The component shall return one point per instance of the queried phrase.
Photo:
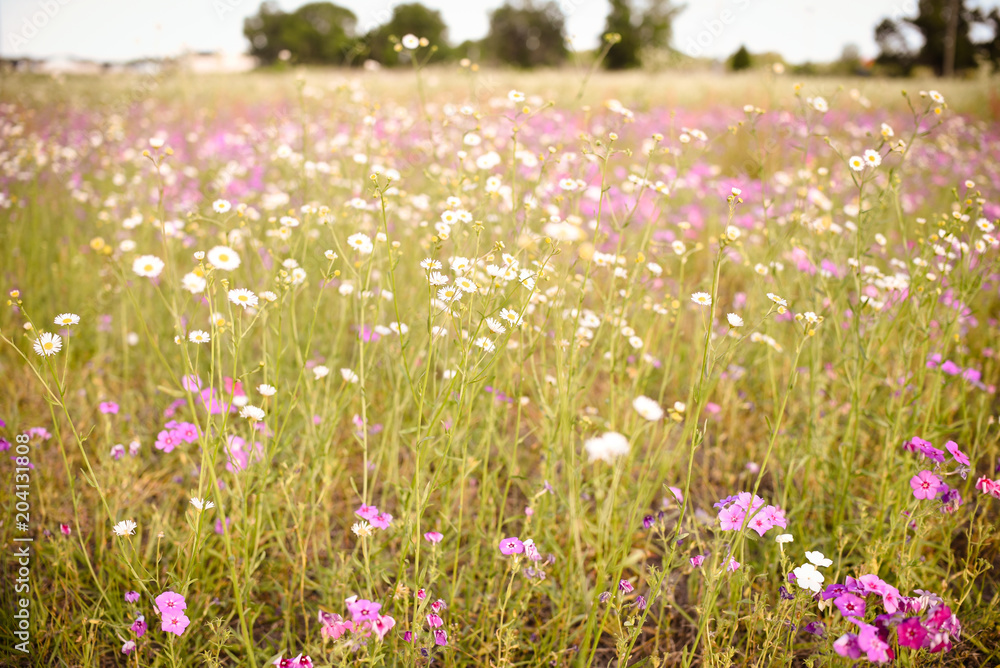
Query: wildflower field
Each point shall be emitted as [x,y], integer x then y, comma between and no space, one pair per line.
[462,368]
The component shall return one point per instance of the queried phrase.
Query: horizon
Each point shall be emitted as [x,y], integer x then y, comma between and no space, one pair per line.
[809,31]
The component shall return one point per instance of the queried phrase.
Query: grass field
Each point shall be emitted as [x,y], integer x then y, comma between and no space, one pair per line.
[465,368]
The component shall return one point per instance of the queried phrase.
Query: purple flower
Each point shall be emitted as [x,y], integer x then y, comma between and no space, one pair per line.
[512,545]
[785,595]
[697,560]
[626,587]
[441,637]
[131,596]
[815,628]
[919,445]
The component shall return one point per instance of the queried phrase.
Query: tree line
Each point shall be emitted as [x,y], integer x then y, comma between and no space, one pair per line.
[532,33]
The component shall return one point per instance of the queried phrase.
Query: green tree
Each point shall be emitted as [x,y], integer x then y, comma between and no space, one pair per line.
[527,35]
[319,32]
[651,28]
[740,60]
[946,28]
[408,19]
[624,54]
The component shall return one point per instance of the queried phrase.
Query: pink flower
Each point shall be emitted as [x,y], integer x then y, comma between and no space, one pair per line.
[987,486]
[174,622]
[960,457]
[381,521]
[64,528]
[434,621]
[169,601]
[850,605]
[363,610]
[733,565]
[188,432]
[697,560]
[433,537]
[382,625]
[441,637]
[167,440]
[108,407]
[731,518]
[367,512]
[925,485]
[512,545]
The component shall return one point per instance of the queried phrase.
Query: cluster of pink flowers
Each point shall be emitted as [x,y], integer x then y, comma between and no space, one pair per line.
[296,662]
[933,631]
[970,375]
[987,486]
[435,623]
[733,511]
[927,485]
[372,515]
[365,621]
[213,401]
[174,433]
[171,606]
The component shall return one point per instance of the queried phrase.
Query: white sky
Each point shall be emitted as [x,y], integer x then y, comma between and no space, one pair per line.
[117,30]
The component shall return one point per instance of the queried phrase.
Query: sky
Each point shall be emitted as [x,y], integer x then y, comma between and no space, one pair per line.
[120,30]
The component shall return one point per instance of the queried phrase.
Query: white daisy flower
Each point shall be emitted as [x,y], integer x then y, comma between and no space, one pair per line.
[198,336]
[221,205]
[647,408]
[252,413]
[320,371]
[201,504]
[149,266]
[361,243]
[410,41]
[734,320]
[193,283]
[223,257]
[856,162]
[702,298]
[67,319]
[242,297]
[48,344]
[495,326]
[125,528]
[349,376]
[266,390]
[872,158]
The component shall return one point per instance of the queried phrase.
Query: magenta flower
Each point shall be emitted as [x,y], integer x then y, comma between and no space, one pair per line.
[175,622]
[131,596]
[128,647]
[64,528]
[170,601]
[367,512]
[363,610]
[108,407]
[697,560]
[139,626]
[511,545]
[958,455]
[441,638]
[433,537]
[951,368]
[925,485]
[925,448]
[434,621]
[625,587]
[911,633]
[731,518]
[733,565]
[381,521]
